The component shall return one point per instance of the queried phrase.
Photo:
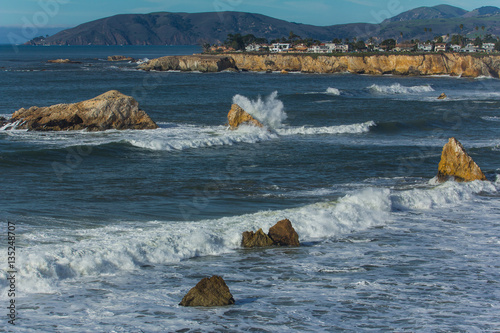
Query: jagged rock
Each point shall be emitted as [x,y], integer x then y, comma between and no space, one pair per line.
[111,110]
[120,58]
[201,63]
[209,292]
[455,162]
[3,121]
[238,116]
[256,239]
[443,96]
[283,234]
[63,61]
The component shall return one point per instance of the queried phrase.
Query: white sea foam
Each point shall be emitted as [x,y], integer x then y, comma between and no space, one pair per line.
[340,129]
[269,111]
[333,91]
[397,88]
[494,118]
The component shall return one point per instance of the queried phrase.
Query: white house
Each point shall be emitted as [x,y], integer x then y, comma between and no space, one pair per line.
[425,47]
[319,49]
[470,48]
[489,47]
[441,47]
[253,48]
[280,47]
[456,48]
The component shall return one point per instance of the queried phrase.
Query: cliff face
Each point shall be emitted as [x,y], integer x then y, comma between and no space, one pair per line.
[202,63]
[430,64]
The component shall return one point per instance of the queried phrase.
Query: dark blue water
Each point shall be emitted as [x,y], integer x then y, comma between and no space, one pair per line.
[349,159]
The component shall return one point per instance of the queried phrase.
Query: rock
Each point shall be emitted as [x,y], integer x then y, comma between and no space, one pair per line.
[455,162]
[256,239]
[209,292]
[120,58]
[238,116]
[3,121]
[443,96]
[284,71]
[283,234]
[63,61]
[200,63]
[111,110]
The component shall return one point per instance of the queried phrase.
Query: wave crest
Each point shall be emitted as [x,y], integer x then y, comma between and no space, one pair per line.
[397,88]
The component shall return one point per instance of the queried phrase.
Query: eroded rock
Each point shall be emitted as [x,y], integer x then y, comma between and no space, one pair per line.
[120,58]
[443,96]
[256,239]
[455,162]
[209,292]
[283,234]
[237,116]
[111,110]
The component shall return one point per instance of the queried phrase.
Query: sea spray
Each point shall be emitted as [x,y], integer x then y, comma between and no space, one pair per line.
[269,111]
[397,88]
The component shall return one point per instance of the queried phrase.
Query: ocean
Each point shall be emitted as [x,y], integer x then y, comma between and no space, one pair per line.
[113,228]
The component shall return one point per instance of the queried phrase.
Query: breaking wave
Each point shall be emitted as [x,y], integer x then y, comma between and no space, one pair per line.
[397,88]
[269,111]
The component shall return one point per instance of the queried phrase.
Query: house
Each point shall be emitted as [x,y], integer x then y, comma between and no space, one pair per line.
[425,47]
[456,48]
[342,48]
[280,47]
[300,48]
[404,47]
[470,48]
[441,47]
[253,48]
[489,47]
[319,49]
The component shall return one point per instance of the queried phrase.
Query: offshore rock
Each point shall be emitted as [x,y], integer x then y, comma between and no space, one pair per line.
[209,292]
[256,239]
[283,234]
[201,63]
[237,116]
[120,58]
[443,96]
[63,61]
[455,162]
[111,110]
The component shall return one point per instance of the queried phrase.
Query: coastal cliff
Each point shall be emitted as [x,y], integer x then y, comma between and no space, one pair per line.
[429,64]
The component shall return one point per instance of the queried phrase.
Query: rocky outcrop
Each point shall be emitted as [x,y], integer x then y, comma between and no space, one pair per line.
[456,163]
[429,64]
[256,239]
[237,116]
[201,63]
[63,61]
[120,58]
[442,96]
[281,234]
[209,292]
[111,110]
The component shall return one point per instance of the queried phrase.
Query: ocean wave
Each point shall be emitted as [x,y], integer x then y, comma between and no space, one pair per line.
[397,88]
[333,91]
[269,111]
[494,118]
[65,253]
[340,129]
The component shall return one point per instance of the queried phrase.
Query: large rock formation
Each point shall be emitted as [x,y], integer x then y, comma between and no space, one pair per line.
[281,234]
[201,63]
[455,162]
[256,239]
[63,61]
[111,110]
[120,58]
[429,64]
[237,116]
[209,292]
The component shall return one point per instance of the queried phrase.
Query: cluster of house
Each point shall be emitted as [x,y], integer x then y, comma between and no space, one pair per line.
[343,48]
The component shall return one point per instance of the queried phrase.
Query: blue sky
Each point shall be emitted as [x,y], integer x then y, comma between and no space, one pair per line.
[69,13]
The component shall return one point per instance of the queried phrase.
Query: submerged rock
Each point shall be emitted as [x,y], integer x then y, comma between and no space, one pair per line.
[120,58]
[281,234]
[63,61]
[256,239]
[455,162]
[209,292]
[443,96]
[111,110]
[237,116]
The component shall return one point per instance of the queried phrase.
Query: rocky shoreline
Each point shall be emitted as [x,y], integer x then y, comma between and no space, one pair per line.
[453,64]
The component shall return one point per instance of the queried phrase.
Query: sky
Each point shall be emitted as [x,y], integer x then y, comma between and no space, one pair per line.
[44,14]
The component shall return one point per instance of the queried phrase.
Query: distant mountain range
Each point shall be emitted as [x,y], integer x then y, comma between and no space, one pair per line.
[190,29]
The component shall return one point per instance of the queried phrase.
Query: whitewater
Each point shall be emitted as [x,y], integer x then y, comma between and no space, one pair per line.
[113,228]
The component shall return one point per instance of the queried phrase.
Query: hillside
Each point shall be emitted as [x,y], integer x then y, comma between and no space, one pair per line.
[191,29]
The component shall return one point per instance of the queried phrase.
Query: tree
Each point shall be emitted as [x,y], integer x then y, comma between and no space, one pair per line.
[478,42]
[390,43]
[336,41]
[497,46]
[483,27]
[461,28]
[438,39]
